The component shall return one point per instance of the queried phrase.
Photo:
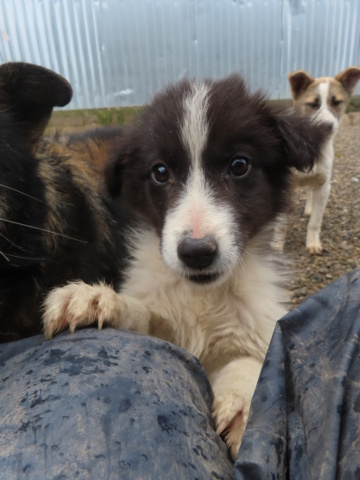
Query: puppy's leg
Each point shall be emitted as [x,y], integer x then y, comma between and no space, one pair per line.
[233,388]
[309,201]
[80,304]
[320,198]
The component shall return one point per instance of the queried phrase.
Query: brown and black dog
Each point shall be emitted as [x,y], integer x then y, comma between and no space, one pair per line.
[56,221]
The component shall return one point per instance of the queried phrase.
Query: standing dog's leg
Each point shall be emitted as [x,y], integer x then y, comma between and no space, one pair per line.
[320,187]
[309,201]
[320,197]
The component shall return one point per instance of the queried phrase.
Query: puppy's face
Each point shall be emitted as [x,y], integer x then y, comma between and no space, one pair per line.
[324,98]
[207,166]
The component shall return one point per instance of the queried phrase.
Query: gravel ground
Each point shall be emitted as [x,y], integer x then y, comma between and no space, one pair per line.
[340,234]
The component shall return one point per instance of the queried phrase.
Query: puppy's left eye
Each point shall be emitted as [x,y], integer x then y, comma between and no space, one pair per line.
[160,174]
[239,166]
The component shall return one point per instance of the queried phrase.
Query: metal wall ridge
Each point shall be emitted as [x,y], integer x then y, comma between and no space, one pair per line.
[121,52]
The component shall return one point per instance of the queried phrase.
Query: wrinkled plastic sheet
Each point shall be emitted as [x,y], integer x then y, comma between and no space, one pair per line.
[106,405]
[305,416]
[115,404]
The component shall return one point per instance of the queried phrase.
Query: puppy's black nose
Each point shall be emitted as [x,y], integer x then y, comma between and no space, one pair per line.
[197,252]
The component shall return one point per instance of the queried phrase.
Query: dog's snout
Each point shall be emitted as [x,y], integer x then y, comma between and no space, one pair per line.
[331,127]
[197,252]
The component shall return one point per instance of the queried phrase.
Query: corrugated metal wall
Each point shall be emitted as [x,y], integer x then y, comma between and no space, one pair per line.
[120,52]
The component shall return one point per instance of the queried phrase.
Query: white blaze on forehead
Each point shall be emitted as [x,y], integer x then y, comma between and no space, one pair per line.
[198,212]
[323,90]
[195,128]
[194,134]
[324,114]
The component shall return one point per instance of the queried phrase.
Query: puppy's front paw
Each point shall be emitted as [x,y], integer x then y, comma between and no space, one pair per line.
[80,304]
[231,412]
[233,387]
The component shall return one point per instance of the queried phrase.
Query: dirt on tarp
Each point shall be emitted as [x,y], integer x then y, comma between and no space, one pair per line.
[340,235]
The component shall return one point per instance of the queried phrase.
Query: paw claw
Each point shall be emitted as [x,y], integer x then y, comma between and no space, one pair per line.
[78,304]
[100,322]
[231,414]
[221,426]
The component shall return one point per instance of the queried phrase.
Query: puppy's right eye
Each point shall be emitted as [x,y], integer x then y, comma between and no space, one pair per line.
[239,166]
[313,105]
[160,174]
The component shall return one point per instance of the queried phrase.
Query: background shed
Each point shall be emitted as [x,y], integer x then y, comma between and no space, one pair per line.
[119,53]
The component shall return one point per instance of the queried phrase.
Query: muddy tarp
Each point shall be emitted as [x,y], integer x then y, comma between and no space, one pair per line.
[116,405]
[106,405]
[305,417]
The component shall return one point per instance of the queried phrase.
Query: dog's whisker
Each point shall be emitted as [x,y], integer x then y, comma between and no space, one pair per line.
[43,230]
[23,258]
[242,265]
[14,244]
[3,254]
[21,193]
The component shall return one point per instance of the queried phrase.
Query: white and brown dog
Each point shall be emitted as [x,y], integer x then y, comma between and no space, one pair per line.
[324,99]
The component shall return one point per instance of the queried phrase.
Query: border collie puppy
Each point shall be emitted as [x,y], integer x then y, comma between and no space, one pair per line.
[324,99]
[205,171]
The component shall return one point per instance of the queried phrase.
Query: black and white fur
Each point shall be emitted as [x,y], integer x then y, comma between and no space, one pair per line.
[205,171]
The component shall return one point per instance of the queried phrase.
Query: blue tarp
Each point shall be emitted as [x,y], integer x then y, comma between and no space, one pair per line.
[305,418]
[111,404]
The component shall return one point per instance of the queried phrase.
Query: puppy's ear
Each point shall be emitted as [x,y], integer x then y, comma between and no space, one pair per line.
[349,78]
[29,92]
[299,81]
[114,173]
[120,158]
[301,138]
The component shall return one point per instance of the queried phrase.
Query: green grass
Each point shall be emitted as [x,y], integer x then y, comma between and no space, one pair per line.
[77,120]
[90,118]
